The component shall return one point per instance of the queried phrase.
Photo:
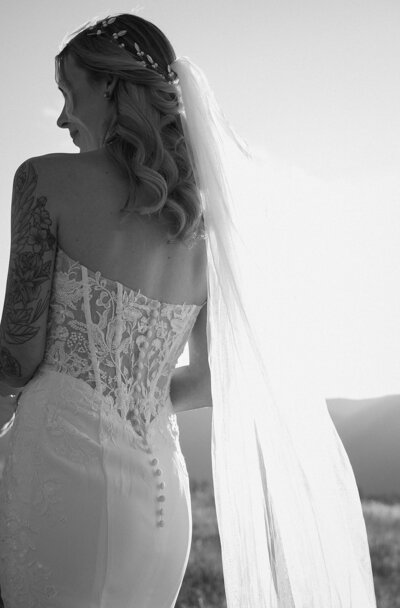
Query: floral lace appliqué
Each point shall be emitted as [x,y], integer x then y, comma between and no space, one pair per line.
[120,342]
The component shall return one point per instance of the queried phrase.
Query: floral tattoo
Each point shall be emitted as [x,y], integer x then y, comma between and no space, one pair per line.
[30,268]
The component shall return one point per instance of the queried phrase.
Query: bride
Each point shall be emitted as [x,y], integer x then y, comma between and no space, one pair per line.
[110,275]
[95,502]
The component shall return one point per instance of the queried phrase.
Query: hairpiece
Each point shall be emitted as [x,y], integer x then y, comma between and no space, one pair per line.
[144,59]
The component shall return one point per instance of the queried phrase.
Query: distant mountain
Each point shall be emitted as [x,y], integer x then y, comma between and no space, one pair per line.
[370,432]
[368,428]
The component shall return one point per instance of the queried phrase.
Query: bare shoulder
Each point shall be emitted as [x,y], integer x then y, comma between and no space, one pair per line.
[54,160]
[44,163]
[61,174]
[51,168]
[58,165]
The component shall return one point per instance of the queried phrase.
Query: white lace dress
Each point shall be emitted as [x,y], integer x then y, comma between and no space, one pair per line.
[95,505]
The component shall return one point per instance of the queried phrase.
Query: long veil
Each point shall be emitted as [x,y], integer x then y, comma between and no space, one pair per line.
[289,514]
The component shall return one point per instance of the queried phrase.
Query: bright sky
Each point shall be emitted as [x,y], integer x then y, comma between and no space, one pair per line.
[314,86]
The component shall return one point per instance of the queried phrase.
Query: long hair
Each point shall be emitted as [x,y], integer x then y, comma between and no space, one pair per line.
[146,137]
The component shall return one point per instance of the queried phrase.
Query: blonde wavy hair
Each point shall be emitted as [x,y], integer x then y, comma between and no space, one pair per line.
[146,137]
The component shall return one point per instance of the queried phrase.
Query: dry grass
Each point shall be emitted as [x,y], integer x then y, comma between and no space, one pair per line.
[383,527]
[203,585]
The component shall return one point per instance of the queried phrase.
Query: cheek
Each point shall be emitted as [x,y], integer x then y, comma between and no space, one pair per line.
[81,110]
[72,105]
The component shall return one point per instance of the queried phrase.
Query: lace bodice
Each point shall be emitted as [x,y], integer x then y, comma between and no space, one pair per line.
[120,342]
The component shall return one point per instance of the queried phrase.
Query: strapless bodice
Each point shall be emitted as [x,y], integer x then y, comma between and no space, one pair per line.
[116,339]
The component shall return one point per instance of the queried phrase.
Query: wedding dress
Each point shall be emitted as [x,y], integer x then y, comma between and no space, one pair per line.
[95,507]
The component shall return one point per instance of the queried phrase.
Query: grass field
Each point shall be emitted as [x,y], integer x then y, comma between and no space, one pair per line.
[203,585]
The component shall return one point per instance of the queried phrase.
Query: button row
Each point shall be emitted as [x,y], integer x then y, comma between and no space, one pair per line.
[154,462]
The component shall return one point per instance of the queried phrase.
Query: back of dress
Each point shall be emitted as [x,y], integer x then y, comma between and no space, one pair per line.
[95,501]
[122,343]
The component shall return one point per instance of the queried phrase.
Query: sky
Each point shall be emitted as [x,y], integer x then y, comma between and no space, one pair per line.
[314,87]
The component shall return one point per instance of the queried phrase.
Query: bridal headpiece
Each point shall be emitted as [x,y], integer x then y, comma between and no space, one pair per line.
[143,58]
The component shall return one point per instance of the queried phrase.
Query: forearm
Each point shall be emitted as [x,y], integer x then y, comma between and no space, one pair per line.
[190,391]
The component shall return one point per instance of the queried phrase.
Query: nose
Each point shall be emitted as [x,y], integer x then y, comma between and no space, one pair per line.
[62,120]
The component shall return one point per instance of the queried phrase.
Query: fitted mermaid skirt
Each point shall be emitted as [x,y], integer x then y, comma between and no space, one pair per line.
[91,514]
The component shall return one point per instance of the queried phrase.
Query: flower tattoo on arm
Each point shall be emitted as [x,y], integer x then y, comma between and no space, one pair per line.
[30,270]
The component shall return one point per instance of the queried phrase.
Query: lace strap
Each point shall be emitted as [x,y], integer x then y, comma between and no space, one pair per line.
[86,303]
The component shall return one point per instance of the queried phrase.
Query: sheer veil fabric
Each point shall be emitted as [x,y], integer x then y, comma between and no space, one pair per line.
[289,514]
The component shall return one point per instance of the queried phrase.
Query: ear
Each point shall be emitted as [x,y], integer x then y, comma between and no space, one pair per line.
[111,83]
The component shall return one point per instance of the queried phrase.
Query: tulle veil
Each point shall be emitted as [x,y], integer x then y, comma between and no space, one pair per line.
[289,513]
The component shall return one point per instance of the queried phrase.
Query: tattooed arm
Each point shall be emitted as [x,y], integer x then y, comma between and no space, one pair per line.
[33,245]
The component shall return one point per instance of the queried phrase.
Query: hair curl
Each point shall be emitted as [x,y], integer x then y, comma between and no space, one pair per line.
[146,138]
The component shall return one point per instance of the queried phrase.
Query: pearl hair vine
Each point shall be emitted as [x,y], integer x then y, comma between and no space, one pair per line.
[144,59]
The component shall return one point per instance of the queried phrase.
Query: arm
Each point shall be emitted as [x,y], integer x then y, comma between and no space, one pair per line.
[191,384]
[32,255]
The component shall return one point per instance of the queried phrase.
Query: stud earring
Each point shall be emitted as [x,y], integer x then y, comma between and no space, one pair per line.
[107,95]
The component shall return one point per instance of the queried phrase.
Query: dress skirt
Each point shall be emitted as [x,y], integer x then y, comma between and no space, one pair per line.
[92,515]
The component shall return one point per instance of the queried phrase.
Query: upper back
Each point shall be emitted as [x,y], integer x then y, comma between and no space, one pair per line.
[86,192]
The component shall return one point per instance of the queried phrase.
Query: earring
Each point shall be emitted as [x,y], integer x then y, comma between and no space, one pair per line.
[107,95]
